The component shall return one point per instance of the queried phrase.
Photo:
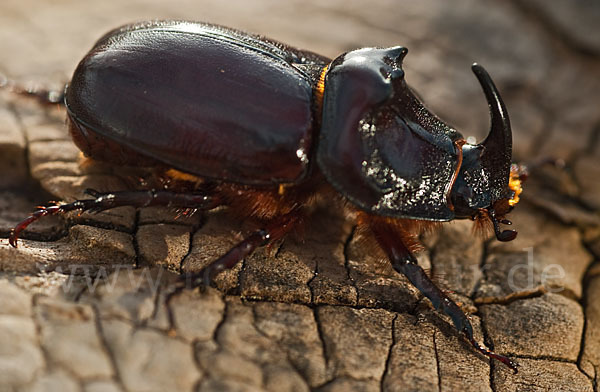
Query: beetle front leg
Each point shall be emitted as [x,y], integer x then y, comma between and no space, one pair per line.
[105,201]
[404,262]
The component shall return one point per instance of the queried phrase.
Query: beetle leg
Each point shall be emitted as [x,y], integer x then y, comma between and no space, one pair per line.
[273,231]
[105,201]
[404,262]
[42,95]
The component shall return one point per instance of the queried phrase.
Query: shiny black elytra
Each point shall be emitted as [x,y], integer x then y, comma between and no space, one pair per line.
[264,128]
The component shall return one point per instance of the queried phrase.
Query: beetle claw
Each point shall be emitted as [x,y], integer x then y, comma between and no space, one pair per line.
[514,366]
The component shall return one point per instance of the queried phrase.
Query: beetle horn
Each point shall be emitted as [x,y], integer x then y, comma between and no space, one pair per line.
[497,153]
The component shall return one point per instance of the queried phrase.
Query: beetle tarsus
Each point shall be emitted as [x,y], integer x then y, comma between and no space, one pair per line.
[42,211]
[505,360]
[405,263]
[105,201]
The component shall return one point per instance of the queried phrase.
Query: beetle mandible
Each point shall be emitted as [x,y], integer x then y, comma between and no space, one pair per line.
[264,128]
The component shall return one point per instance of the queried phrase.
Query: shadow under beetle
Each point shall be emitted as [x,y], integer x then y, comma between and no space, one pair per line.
[265,129]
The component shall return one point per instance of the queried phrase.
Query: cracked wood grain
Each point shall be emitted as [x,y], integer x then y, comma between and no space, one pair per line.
[82,304]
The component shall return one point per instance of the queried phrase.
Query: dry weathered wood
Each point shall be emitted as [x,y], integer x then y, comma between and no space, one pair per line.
[318,314]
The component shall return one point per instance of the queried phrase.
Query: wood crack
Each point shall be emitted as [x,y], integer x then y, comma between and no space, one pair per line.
[388,359]
[105,347]
[437,362]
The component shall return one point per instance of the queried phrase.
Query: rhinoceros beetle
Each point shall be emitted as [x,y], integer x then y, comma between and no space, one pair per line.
[263,128]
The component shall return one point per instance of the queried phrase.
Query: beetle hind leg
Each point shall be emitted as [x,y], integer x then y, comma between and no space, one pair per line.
[404,262]
[105,201]
[42,95]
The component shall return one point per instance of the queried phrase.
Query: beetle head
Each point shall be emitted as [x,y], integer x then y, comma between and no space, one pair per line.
[487,185]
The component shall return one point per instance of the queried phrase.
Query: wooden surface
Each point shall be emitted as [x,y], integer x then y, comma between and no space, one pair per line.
[80,306]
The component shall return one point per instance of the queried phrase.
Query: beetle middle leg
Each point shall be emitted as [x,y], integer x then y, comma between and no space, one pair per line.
[273,231]
[105,201]
[404,262]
